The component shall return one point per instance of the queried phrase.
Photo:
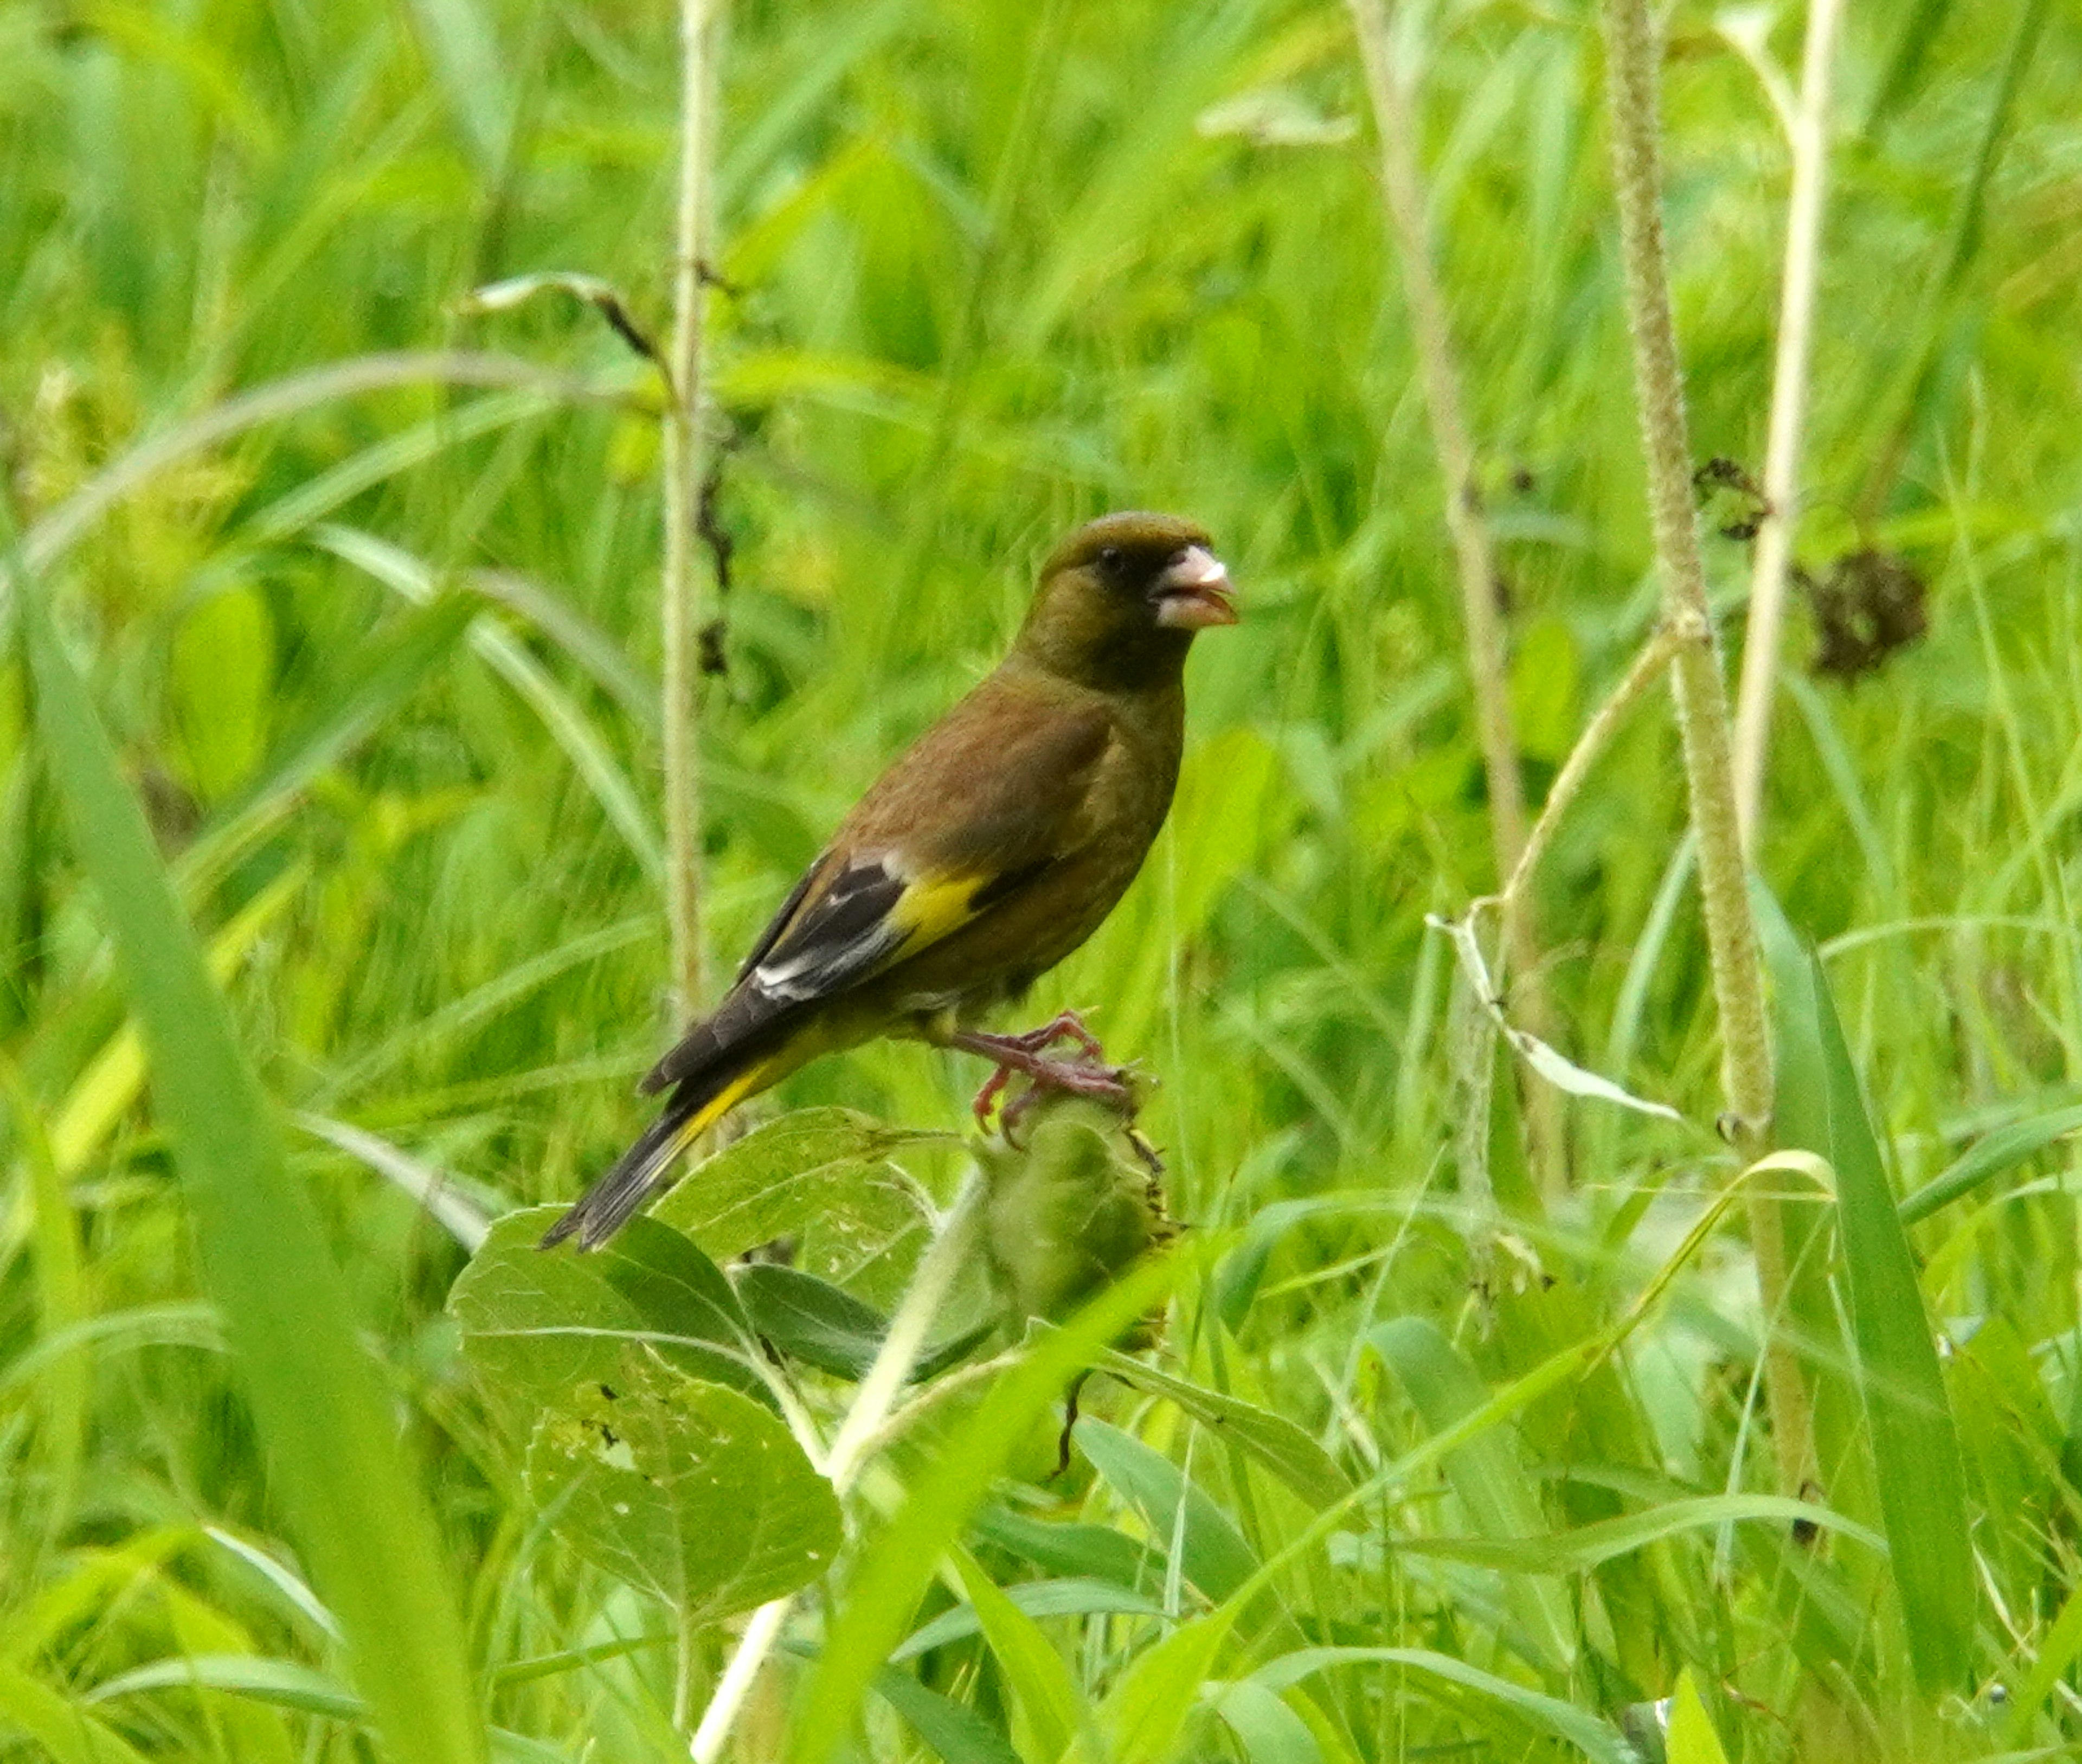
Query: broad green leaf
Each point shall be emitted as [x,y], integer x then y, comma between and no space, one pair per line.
[538,1323]
[357,1512]
[895,1566]
[1273,1440]
[1915,1451]
[1690,1738]
[1212,1553]
[688,1490]
[815,1164]
[810,1320]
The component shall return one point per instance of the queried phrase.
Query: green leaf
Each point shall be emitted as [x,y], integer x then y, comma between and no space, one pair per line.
[957,1732]
[1487,1472]
[1212,1553]
[1595,1739]
[688,1490]
[1605,1540]
[1268,1731]
[1989,1157]
[219,679]
[1036,1599]
[538,1324]
[896,1565]
[828,1165]
[354,1503]
[288,1684]
[811,1319]
[1147,1709]
[1054,1707]
[1273,1440]
[1690,1738]
[1097,1552]
[1920,1479]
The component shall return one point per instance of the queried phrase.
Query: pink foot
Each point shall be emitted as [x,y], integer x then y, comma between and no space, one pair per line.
[1087,1075]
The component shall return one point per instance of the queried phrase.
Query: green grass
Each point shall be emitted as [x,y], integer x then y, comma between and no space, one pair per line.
[380,666]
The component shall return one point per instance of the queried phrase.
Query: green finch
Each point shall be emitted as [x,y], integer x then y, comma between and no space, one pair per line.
[991,849]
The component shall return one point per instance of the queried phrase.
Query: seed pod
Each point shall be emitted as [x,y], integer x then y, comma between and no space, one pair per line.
[1069,1212]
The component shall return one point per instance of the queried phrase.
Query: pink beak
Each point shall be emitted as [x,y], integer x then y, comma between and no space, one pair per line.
[1194,591]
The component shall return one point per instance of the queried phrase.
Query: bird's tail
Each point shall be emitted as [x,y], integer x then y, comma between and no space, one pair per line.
[642,1170]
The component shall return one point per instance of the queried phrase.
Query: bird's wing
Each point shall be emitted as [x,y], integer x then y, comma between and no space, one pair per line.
[984,804]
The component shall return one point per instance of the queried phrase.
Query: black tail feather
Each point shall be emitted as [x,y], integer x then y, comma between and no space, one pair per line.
[615,1198]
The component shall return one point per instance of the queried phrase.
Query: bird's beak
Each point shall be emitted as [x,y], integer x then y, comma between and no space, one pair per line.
[1194,591]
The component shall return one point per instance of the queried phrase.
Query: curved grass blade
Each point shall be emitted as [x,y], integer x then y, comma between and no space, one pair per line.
[1919,1477]
[357,1511]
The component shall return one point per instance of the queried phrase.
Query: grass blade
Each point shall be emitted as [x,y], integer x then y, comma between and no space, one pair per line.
[359,1514]
[1920,1480]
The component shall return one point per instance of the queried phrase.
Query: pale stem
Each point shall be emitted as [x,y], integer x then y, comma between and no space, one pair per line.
[681,610]
[851,1448]
[1808,130]
[1403,197]
[1402,193]
[1653,657]
[1634,53]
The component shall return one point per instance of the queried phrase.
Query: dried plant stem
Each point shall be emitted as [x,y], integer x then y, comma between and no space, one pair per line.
[1808,128]
[1653,657]
[683,465]
[851,1448]
[1634,53]
[1403,197]
[1402,193]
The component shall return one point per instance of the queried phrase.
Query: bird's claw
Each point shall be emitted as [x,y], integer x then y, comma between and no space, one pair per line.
[1086,1074]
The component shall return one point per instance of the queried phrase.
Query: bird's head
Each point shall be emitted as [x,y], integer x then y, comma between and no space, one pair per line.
[1119,600]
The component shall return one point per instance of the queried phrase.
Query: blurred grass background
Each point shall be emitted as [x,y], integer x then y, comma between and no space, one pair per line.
[989,269]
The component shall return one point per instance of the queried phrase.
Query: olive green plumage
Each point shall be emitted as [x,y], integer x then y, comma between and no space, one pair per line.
[985,854]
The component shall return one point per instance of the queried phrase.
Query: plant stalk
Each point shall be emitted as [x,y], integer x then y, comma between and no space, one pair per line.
[1808,131]
[1402,198]
[1633,53]
[681,589]
[851,1448]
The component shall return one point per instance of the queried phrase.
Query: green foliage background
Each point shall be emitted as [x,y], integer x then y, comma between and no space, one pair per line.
[383,674]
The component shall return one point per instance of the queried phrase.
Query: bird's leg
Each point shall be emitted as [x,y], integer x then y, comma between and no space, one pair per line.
[1026,1054]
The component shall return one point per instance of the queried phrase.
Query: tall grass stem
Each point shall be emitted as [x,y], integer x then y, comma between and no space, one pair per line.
[1489,669]
[1634,53]
[684,463]
[1808,130]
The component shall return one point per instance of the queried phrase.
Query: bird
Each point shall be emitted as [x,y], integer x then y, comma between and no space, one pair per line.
[991,848]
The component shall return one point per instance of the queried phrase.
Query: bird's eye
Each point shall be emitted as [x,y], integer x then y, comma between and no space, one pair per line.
[1110,558]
